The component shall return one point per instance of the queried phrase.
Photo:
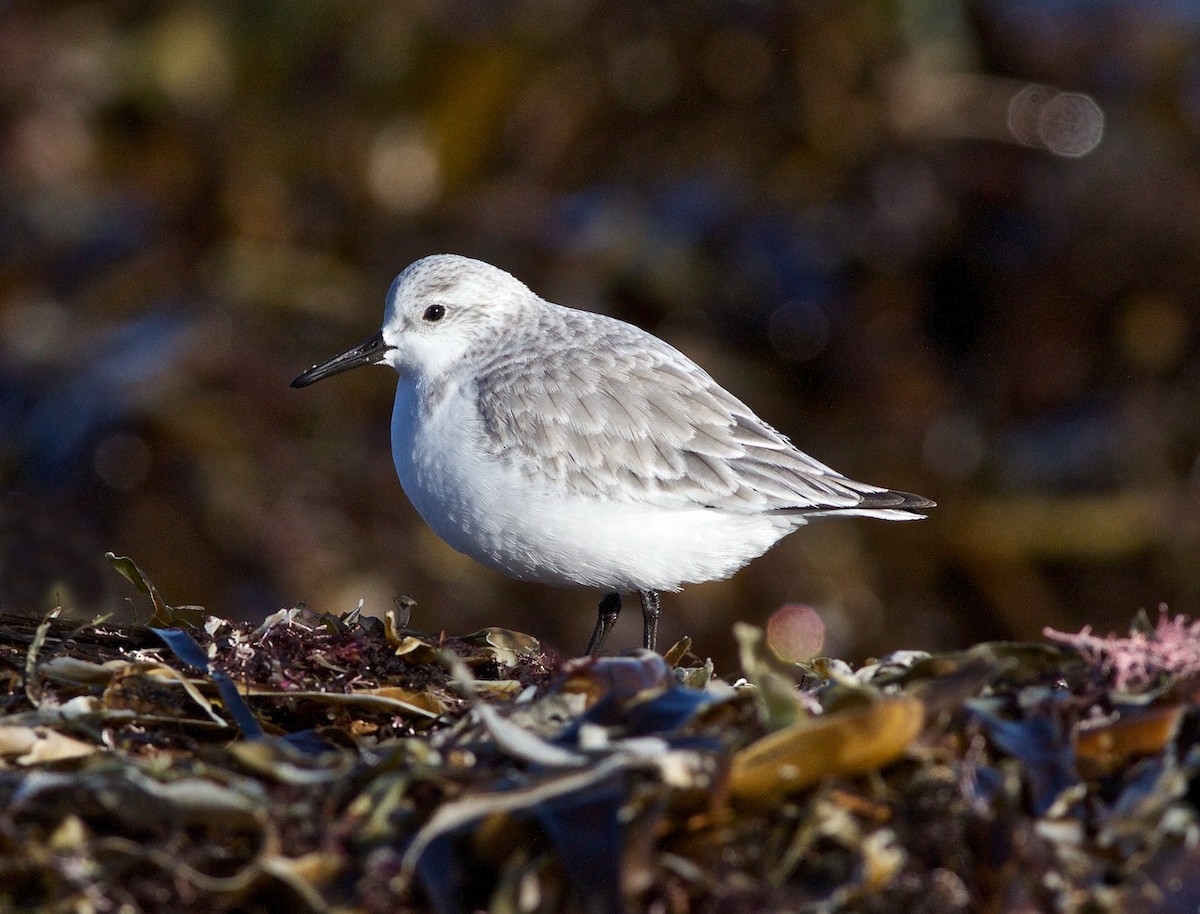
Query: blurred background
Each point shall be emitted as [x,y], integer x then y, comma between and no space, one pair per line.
[948,247]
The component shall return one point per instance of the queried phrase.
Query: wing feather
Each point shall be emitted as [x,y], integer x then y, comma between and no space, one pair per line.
[596,407]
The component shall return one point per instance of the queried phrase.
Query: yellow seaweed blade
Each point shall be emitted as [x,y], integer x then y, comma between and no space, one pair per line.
[844,743]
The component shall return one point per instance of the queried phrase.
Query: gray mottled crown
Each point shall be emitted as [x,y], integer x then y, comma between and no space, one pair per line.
[453,274]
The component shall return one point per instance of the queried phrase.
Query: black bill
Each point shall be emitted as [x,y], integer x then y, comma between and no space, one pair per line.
[368,352]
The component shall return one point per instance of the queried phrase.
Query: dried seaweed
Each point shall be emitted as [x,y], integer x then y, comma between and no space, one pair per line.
[389,770]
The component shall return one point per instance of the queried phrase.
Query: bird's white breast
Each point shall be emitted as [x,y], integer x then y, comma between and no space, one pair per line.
[486,508]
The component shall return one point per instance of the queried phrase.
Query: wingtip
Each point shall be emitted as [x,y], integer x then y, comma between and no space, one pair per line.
[898,501]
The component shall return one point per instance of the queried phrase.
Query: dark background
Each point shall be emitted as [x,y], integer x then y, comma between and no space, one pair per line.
[872,221]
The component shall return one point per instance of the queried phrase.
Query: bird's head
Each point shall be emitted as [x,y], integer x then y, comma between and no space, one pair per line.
[438,309]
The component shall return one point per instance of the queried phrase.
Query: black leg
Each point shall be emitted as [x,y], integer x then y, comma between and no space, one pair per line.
[651,609]
[610,608]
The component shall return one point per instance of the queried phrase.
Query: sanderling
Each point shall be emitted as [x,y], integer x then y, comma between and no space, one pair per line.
[566,447]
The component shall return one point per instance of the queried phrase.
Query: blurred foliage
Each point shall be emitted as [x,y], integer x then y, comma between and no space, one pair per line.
[872,221]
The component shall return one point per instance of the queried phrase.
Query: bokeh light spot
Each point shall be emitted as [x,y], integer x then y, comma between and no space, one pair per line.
[34,328]
[1066,123]
[190,58]
[795,632]
[1024,109]
[403,170]
[1154,333]
[54,144]
[1071,124]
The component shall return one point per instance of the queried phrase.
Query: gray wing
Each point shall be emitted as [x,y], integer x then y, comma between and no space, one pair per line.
[597,407]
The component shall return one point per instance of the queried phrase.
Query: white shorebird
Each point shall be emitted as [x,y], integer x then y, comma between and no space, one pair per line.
[566,447]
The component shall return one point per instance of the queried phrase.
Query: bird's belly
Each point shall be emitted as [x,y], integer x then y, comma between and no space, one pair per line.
[616,547]
[488,510]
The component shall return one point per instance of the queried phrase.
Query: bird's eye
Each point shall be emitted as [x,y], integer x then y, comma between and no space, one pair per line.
[435,313]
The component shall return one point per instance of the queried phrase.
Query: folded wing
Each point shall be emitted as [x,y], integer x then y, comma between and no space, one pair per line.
[599,408]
